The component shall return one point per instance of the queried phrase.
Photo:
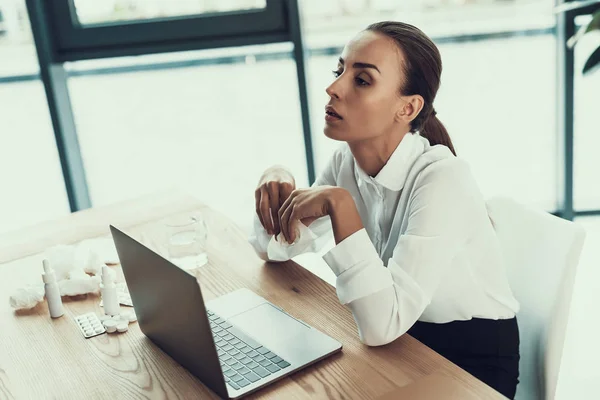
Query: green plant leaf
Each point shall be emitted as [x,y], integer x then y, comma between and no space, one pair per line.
[593,62]
[594,23]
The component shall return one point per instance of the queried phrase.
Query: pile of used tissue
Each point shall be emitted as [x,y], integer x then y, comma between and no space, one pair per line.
[78,270]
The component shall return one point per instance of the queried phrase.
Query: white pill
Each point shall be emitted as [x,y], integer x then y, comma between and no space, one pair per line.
[99,329]
[122,327]
[89,332]
[109,323]
[104,317]
[128,316]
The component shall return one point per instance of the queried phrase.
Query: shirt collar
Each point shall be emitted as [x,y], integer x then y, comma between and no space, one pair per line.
[394,173]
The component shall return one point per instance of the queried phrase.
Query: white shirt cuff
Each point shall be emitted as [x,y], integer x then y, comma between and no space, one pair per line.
[355,249]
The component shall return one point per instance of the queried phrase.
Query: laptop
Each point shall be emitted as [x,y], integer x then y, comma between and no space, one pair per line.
[235,344]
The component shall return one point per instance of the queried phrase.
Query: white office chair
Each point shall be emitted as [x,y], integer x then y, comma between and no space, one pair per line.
[541,254]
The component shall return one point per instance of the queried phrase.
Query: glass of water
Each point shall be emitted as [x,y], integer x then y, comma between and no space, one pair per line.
[186,241]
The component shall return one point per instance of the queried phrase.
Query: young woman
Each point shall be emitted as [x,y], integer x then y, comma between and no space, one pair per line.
[415,250]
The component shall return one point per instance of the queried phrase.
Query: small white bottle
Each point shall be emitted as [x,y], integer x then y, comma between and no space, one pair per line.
[109,293]
[52,291]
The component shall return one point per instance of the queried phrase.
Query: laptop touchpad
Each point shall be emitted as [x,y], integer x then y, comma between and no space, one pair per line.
[267,324]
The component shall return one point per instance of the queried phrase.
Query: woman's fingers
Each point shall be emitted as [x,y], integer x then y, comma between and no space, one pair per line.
[265,211]
[285,191]
[273,190]
[288,214]
[274,187]
[257,197]
[284,213]
[292,223]
[302,206]
[269,200]
[283,219]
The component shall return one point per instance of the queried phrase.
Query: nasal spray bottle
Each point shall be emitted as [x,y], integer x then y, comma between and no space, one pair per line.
[109,293]
[52,291]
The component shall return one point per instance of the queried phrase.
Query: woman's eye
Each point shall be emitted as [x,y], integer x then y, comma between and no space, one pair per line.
[361,82]
[336,73]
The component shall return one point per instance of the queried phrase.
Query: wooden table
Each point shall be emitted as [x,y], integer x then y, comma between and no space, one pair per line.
[45,358]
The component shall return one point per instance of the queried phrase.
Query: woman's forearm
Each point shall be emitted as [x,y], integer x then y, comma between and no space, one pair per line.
[345,219]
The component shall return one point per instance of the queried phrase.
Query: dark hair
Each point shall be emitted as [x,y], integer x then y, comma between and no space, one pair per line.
[423,69]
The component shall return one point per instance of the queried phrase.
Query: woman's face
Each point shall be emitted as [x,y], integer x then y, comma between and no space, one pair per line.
[364,99]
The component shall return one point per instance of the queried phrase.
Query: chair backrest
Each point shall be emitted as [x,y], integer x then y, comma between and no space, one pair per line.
[541,253]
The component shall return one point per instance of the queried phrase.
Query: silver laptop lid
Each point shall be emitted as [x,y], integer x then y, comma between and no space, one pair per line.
[170,310]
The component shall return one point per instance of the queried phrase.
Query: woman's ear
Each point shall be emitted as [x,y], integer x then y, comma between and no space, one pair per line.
[410,108]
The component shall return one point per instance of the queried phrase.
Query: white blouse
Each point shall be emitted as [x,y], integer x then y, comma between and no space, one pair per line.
[428,251]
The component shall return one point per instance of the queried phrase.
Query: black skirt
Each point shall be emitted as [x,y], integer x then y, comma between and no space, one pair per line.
[487,349]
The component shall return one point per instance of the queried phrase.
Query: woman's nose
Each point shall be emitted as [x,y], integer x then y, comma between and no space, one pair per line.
[333,91]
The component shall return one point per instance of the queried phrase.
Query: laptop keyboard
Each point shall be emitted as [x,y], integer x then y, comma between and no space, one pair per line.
[243,360]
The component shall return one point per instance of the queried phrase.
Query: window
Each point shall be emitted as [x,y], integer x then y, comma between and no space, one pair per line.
[341,19]
[210,129]
[587,130]
[93,11]
[33,189]
[132,27]
[17,51]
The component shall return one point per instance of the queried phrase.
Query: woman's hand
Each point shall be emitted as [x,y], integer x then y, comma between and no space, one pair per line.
[306,205]
[274,188]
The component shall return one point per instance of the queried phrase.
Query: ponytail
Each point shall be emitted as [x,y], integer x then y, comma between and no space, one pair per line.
[434,131]
[423,69]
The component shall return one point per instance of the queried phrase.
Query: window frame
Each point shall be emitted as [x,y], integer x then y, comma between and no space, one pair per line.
[75,41]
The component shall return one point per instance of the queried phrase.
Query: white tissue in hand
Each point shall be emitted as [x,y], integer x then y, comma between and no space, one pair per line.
[27,297]
[277,250]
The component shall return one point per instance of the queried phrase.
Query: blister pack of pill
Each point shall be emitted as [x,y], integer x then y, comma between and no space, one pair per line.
[90,325]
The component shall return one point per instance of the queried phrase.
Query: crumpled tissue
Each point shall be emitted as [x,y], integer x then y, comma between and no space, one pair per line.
[27,297]
[78,270]
[277,249]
